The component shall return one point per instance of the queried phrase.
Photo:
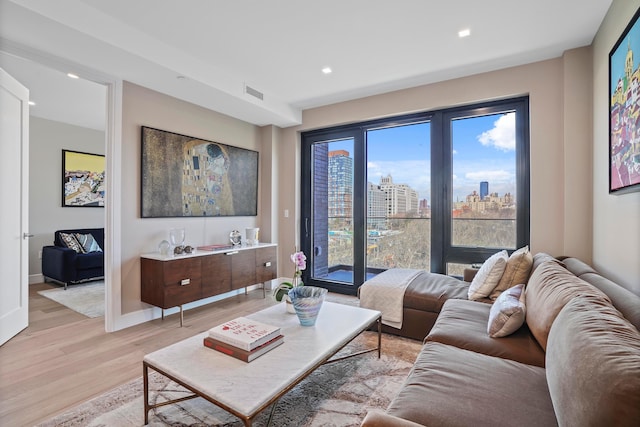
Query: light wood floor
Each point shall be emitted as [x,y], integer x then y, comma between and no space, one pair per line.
[64,358]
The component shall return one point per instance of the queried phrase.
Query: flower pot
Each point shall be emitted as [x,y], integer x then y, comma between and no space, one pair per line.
[288,304]
[307,301]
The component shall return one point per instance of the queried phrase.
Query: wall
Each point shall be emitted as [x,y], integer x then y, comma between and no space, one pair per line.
[47,139]
[553,210]
[143,107]
[616,219]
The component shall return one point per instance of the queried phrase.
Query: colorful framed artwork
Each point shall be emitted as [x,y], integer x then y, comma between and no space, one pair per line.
[184,176]
[624,111]
[83,179]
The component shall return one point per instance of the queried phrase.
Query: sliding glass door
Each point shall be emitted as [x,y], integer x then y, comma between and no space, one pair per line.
[436,191]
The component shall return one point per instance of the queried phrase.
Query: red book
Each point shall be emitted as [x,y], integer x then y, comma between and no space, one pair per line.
[214,247]
[246,356]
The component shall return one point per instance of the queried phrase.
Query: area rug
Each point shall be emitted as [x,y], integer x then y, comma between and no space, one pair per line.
[85,298]
[337,394]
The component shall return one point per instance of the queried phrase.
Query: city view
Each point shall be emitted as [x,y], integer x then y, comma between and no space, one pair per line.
[398,196]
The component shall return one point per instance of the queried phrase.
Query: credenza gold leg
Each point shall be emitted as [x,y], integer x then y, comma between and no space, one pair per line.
[181,317]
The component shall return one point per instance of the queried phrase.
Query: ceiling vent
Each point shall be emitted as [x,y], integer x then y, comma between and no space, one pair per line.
[253,92]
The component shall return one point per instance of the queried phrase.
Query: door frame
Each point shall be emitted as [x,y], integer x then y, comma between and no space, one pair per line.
[113,151]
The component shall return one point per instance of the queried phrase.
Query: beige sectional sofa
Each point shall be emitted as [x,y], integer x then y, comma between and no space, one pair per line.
[574,362]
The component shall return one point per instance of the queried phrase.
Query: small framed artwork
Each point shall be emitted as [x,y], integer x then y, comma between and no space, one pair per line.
[83,179]
[624,111]
[184,176]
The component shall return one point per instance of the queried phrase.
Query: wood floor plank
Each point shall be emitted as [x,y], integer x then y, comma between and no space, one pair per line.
[64,358]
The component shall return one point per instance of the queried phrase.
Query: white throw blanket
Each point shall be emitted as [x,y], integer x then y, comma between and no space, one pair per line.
[385,293]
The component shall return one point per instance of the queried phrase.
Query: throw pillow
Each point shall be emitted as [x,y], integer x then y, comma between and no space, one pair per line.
[517,271]
[70,240]
[507,313]
[488,276]
[88,243]
[550,288]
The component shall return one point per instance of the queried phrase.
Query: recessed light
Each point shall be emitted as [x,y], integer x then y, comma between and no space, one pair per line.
[181,77]
[464,33]
[32,103]
[72,76]
[327,70]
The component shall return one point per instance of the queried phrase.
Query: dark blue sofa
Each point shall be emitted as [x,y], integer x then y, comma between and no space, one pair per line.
[65,265]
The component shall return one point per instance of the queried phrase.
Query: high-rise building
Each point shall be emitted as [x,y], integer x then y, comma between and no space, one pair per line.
[401,199]
[376,207]
[340,185]
[484,189]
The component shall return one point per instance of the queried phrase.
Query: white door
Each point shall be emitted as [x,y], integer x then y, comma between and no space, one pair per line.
[14,206]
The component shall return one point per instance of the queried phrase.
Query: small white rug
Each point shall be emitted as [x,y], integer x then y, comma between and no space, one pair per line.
[85,298]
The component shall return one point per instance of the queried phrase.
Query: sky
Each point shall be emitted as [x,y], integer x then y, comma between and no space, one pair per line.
[631,40]
[484,150]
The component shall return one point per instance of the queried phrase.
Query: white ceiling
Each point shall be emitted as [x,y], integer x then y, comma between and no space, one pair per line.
[279,47]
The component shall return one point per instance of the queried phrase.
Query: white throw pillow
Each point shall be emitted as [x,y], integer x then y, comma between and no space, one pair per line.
[507,313]
[488,276]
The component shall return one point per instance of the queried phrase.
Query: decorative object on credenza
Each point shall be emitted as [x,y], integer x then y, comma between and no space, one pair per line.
[252,236]
[83,177]
[176,237]
[164,247]
[235,238]
[307,302]
[184,176]
[624,104]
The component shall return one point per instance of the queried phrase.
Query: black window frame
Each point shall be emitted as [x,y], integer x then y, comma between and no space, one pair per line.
[442,251]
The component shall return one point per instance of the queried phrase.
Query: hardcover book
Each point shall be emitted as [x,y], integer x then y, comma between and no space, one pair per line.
[244,333]
[246,356]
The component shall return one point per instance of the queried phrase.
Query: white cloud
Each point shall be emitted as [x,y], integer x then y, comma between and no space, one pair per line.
[503,134]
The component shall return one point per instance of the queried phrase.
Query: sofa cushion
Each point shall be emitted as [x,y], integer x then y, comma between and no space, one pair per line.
[550,287]
[71,242]
[507,313]
[449,386]
[625,301]
[87,261]
[541,257]
[88,243]
[463,324]
[488,276]
[429,291]
[593,366]
[516,272]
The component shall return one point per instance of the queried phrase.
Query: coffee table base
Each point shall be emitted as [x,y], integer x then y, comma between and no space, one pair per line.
[246,419]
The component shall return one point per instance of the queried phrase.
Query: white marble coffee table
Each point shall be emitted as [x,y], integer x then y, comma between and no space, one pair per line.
[246,389]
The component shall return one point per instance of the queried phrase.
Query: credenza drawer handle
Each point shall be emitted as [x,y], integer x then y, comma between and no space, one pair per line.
[231,253]
[184,282]
[267,264]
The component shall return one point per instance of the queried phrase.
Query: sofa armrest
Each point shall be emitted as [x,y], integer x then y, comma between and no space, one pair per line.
[378,418]
[59,263]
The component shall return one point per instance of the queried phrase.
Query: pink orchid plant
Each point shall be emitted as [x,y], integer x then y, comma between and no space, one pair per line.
[300,261]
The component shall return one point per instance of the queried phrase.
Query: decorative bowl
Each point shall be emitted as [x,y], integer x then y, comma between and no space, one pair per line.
[307,301]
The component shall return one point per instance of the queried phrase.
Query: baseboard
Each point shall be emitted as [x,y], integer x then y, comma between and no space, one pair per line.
[36,278]
[141,316]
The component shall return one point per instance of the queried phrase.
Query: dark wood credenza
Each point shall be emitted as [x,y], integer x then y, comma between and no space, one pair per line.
[171,281]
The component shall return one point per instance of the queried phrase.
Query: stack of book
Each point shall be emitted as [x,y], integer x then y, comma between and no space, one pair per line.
[244,338]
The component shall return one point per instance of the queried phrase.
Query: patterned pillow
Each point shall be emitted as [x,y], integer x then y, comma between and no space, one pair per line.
[70,240]
[88,243]
[488,276]
[507,313]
